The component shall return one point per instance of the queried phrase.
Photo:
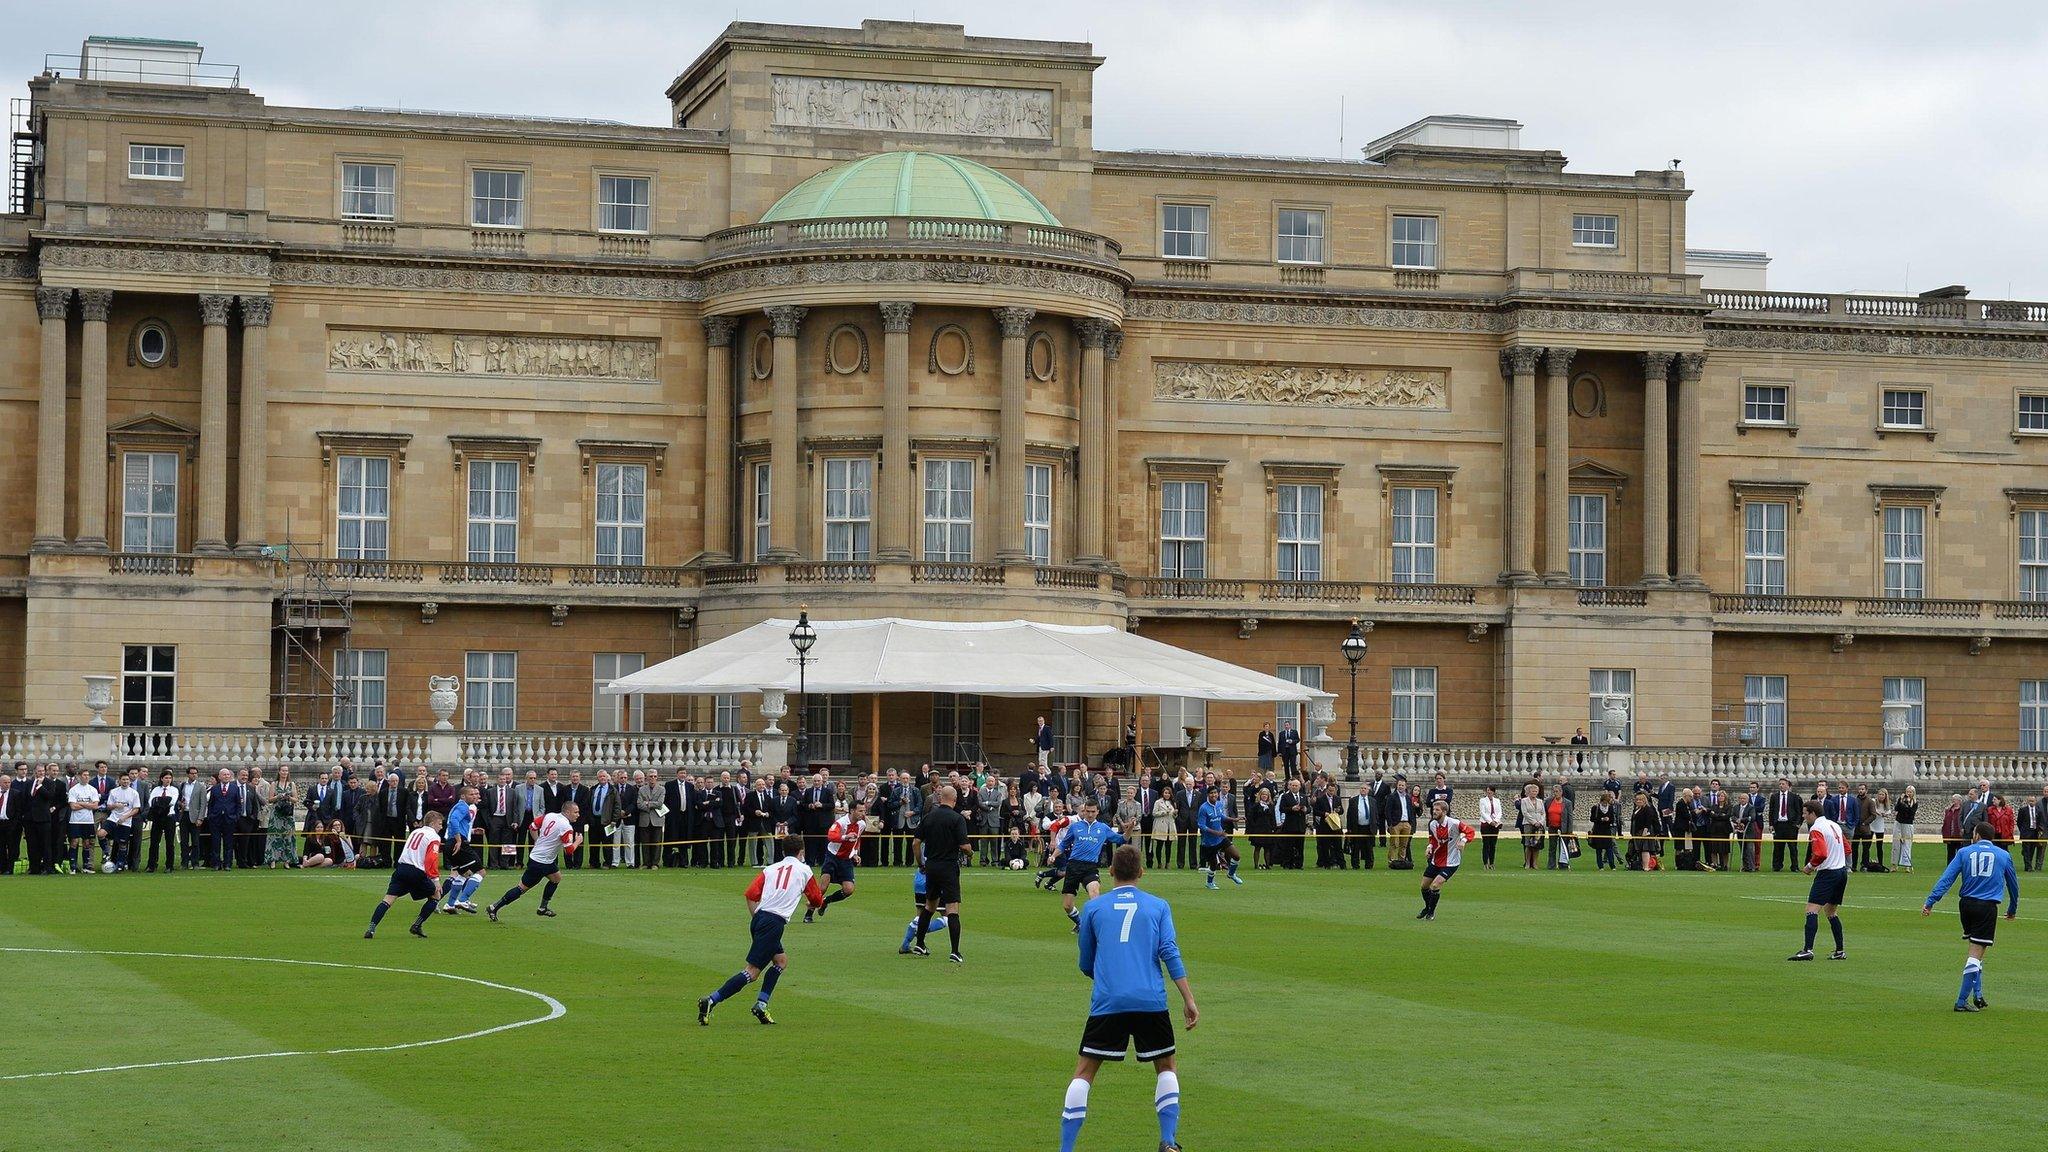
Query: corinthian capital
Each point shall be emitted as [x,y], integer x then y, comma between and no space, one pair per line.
[53,303]
[213,310]
[1690,365]
[786,318]
[256,311]
[95,304]
[1015,322]
[1519,359]
[1558,361]
[1093,333]
[718,331]
[896,315]
[1657,365]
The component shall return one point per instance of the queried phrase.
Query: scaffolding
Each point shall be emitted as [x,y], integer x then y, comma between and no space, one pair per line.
[314,599]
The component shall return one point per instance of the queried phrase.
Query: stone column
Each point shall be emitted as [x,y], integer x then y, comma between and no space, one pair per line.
[893,487]
[94,306]
[1519,364]
[784,471]
[718,473]
[52,304]
[1092,473]
[1656,469]
[253,464]
[1557,465]
[1112,464]
[212,532]
[1690,365]
[1010,451]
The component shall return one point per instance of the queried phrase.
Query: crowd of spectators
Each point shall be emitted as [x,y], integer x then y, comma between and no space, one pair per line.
[74,820]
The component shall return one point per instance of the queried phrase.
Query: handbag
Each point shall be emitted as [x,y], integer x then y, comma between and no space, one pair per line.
[1571,848]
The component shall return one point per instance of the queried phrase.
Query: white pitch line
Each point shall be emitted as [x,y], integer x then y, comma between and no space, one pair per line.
[555,1011]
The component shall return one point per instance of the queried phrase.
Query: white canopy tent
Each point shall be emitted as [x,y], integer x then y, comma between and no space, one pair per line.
[992,658]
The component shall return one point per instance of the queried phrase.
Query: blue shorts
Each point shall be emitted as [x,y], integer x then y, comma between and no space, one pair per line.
[537,871]
[838,869]
[1435,870]
[406,880]
[767,929]
[1829,885]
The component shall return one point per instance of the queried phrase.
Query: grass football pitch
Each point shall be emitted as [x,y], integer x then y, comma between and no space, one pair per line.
[1539,1010]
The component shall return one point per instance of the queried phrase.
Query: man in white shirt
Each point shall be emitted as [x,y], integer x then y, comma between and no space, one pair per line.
[554,833]
[1828,863]
[124,803]
[83,800]
[160,809]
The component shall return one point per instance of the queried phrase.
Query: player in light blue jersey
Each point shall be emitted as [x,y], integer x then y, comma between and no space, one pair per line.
[465,862]
[917,888]
[1126,937]
[1217,852]
[1082,850]
[1986,872]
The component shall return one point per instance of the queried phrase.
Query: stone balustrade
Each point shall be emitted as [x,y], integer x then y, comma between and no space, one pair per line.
[1842,305]
[210,749]
[869,231]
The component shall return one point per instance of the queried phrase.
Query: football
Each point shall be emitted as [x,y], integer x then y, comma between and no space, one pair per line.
[1016,865]
[107,866]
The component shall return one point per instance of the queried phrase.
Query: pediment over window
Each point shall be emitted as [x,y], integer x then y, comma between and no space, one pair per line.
[152,431]
[1592,475]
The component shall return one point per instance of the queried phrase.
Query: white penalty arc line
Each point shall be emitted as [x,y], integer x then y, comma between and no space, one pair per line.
[556,1010]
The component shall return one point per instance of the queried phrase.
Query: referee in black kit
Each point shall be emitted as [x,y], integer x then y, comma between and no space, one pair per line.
[944,833]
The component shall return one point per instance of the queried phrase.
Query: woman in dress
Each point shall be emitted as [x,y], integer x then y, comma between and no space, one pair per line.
[1603,832]
[280,849]
[1258,825]
[1904,813]
[1531,819]
[1159,845]
[1880,827]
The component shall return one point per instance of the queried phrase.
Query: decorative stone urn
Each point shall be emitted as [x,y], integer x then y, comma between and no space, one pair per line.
[1898,717]
[99,696]
[1322,712]
[441,699]
[774,706]
[1614,714]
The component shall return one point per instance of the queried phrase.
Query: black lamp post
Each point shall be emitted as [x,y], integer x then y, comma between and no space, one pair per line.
[801,638]
[1354,651]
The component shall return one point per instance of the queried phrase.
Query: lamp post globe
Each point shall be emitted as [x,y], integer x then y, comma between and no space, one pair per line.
[1354,651]
[801,638]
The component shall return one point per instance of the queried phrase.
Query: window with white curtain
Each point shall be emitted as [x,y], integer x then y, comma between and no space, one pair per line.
[1588,541]
[1414,706]
[615,713]
[1763,709]
[2034,715]
[1299,509]
[362,528]
[622,203]
[497,199]
[1300,236]
[1912,692]
[1905,551]
[493,511]
[369,191]
[1183,529]
[949,511]
[848,496]
[1414,535]
[1184,231]
[360,675]
[1600,684]
[1414,242]
[764,505]
[1038,513]
[149,502]
[1066,730]
[1763,547]
[622,514]
[2033,529]
[491,691]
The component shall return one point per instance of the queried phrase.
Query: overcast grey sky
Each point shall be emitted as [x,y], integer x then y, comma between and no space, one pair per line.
[1875,146]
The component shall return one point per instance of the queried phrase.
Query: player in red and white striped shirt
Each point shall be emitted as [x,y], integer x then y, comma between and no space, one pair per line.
[842,852]
[417,875]
[1448,836]
[771,900]
[553,834]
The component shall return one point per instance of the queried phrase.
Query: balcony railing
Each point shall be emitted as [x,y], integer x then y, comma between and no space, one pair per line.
[930,573]
[593,750]
[1849,609]
[916,231]
[1862,307]
[210,749]
[1299,591]
[527,575]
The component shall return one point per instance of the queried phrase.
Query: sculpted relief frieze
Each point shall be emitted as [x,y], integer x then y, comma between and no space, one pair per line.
[490,354]
[891,106]
[1323,385]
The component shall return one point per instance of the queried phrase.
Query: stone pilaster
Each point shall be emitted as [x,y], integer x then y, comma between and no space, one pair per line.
[1518,368]
[718,470]
[1090,549]
[785,470]
[95,306]
[1656,469]
[1015,324]
[253,464]
[1689,365]
[894,489]
[52,305]
[211,535]
[1557,464]
[1112,379]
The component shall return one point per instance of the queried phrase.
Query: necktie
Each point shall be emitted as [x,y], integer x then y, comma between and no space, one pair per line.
[501,801]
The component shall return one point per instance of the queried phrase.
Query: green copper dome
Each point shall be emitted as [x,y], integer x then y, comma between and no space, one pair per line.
[910,184]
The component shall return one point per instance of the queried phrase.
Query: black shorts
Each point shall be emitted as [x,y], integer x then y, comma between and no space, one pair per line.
[1107,1037]
[466,859]
[941,883]
[407,880]
[838,869]
[1980,921]
[1216,855]
[767,929]
[537,871]
[1435,870]
[1079,877]
[1829,886]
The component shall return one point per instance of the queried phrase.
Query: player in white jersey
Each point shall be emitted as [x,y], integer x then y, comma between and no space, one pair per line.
[1448,836]
[842,852]
[416,875]
[1828,863]
[553,834]
[771,899]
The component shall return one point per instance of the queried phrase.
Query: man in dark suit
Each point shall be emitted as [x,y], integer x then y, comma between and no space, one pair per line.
[675,827]
[1841,807]
[1290,824]
[13,807]
[578,793]
[1360,823]
[553,792]
[1667,812]
[1145,795]
[1188,799]
[815,811]
[1398,818]
[46,800]
[1382,790]
[1289,745]
[759,820]
[1268,748]
[503,816]
[317,805]
[223,808]
[1784,808]
[1041,739]
[602,812]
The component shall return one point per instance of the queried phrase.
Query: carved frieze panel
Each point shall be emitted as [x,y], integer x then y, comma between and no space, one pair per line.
[893,106]
[491,354]
[1315,385]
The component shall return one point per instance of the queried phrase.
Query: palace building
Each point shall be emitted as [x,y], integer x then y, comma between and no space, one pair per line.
[309,405]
